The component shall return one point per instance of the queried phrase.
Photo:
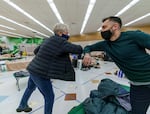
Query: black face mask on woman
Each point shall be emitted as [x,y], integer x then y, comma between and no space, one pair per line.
[106,34]
[65,36]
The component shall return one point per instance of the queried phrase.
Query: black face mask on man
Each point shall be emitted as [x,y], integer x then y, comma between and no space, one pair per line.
[106,34]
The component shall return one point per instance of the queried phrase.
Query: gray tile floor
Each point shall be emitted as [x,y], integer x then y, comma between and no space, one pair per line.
[85,82]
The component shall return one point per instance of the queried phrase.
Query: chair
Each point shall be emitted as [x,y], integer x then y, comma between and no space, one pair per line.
[20,74]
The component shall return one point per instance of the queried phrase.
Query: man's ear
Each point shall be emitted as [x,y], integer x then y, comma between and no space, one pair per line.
[116,26]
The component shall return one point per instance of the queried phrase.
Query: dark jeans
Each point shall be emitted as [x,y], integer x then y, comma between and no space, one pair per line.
[140,98]
[45,87]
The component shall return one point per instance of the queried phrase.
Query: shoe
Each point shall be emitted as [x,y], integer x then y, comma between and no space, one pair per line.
[26,109]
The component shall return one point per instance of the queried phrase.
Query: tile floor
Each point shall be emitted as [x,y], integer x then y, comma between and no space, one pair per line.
[85,82]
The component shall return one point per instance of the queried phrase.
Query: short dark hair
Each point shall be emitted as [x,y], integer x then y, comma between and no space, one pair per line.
[114,19]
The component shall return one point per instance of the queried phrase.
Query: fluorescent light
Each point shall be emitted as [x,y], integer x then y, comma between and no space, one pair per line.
[3,34]
[88,13]
[27,14]
[13,33]
[132,3]
[54,9]
[7,27]
[99,28]
[37,36]
[138,19]
[14,22]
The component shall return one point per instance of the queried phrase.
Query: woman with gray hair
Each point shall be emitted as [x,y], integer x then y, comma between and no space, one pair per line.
[51,62]
[61,30]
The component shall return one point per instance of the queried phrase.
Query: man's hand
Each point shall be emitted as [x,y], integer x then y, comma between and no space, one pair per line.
[87,60]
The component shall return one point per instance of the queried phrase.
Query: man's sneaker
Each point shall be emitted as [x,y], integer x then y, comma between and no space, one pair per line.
[26,109]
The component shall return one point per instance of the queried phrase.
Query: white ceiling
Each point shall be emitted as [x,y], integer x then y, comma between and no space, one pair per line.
[72,13]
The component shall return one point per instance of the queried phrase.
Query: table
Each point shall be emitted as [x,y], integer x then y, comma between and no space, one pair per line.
[18,64]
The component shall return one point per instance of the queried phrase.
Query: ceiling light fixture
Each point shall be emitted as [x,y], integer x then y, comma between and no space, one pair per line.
[5,34]
[14,22]
[99,29]
[138,19]
[27,14]
[88,13]
[37,36]
[13,33]
[54,9]
[10,28]
[131,4]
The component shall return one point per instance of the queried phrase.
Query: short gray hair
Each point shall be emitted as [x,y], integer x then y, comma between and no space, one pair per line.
[59,27]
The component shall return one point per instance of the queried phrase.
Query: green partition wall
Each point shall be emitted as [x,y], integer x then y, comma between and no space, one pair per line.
[14,42]
[25,40]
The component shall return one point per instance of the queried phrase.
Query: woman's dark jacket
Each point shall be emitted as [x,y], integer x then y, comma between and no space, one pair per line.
[52,59]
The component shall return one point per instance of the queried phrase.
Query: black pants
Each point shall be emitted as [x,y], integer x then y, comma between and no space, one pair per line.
[140,98]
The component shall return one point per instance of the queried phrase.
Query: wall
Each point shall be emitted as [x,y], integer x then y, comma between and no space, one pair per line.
[142,28]
[86,37]
[10,44]
[85,43]
[90,38]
